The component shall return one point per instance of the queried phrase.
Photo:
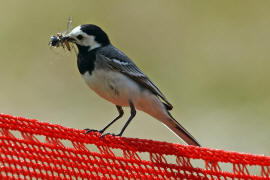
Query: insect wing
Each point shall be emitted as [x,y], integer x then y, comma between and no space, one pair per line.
[69,24]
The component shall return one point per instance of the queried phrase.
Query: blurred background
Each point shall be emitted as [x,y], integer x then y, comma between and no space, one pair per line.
[210,59]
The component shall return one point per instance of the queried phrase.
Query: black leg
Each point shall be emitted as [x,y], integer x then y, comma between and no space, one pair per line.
[121,113]
[133,113]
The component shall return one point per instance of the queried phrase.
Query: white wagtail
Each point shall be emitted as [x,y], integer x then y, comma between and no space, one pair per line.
[114,77]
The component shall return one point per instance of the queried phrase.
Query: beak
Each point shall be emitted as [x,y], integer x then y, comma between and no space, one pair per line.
[68,39]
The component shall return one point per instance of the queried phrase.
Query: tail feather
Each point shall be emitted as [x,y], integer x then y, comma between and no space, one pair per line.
[180,131]
[153,106]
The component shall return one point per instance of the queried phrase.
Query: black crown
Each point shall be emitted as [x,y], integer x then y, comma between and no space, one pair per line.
[100,36]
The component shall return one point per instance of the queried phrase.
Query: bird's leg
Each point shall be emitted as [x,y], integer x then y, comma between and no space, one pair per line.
[121,113]
[132,115]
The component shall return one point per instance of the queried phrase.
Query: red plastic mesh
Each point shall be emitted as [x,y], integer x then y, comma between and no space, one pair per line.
[30,149]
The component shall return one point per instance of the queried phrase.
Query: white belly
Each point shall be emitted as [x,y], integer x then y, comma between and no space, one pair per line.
[119,90]
[113,86]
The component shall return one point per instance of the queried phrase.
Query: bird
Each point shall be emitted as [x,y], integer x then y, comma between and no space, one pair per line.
[116,78]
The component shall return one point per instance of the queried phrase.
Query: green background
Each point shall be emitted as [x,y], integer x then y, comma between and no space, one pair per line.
[210,59]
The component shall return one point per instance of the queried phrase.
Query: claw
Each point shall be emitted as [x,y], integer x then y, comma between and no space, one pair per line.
[103,135]
[92,130]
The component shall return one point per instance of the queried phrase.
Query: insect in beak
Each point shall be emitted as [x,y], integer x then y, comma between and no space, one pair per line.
[62,39]
[66,40]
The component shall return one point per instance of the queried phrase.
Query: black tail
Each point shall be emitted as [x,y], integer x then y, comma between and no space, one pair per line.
[180,131]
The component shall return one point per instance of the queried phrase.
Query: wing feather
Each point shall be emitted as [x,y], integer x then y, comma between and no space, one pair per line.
[132,71]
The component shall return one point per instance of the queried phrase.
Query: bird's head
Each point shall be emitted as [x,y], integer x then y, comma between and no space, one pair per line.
[88,37]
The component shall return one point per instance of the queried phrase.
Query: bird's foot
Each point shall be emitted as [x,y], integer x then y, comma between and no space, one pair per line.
[112,134]
[93,130]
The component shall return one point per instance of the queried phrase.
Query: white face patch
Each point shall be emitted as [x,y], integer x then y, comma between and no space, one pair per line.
[87,40]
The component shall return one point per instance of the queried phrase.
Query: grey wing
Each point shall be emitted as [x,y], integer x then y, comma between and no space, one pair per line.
[128,68]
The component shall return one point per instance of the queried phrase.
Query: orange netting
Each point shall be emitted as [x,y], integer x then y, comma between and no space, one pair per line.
[36,150]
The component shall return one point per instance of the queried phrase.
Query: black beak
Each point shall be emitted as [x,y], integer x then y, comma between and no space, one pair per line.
[69,39]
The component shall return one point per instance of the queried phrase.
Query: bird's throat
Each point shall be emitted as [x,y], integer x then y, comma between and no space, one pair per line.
[83,49]
[86,60]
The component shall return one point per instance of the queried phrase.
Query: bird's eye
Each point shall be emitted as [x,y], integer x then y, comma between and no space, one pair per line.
[80,37]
